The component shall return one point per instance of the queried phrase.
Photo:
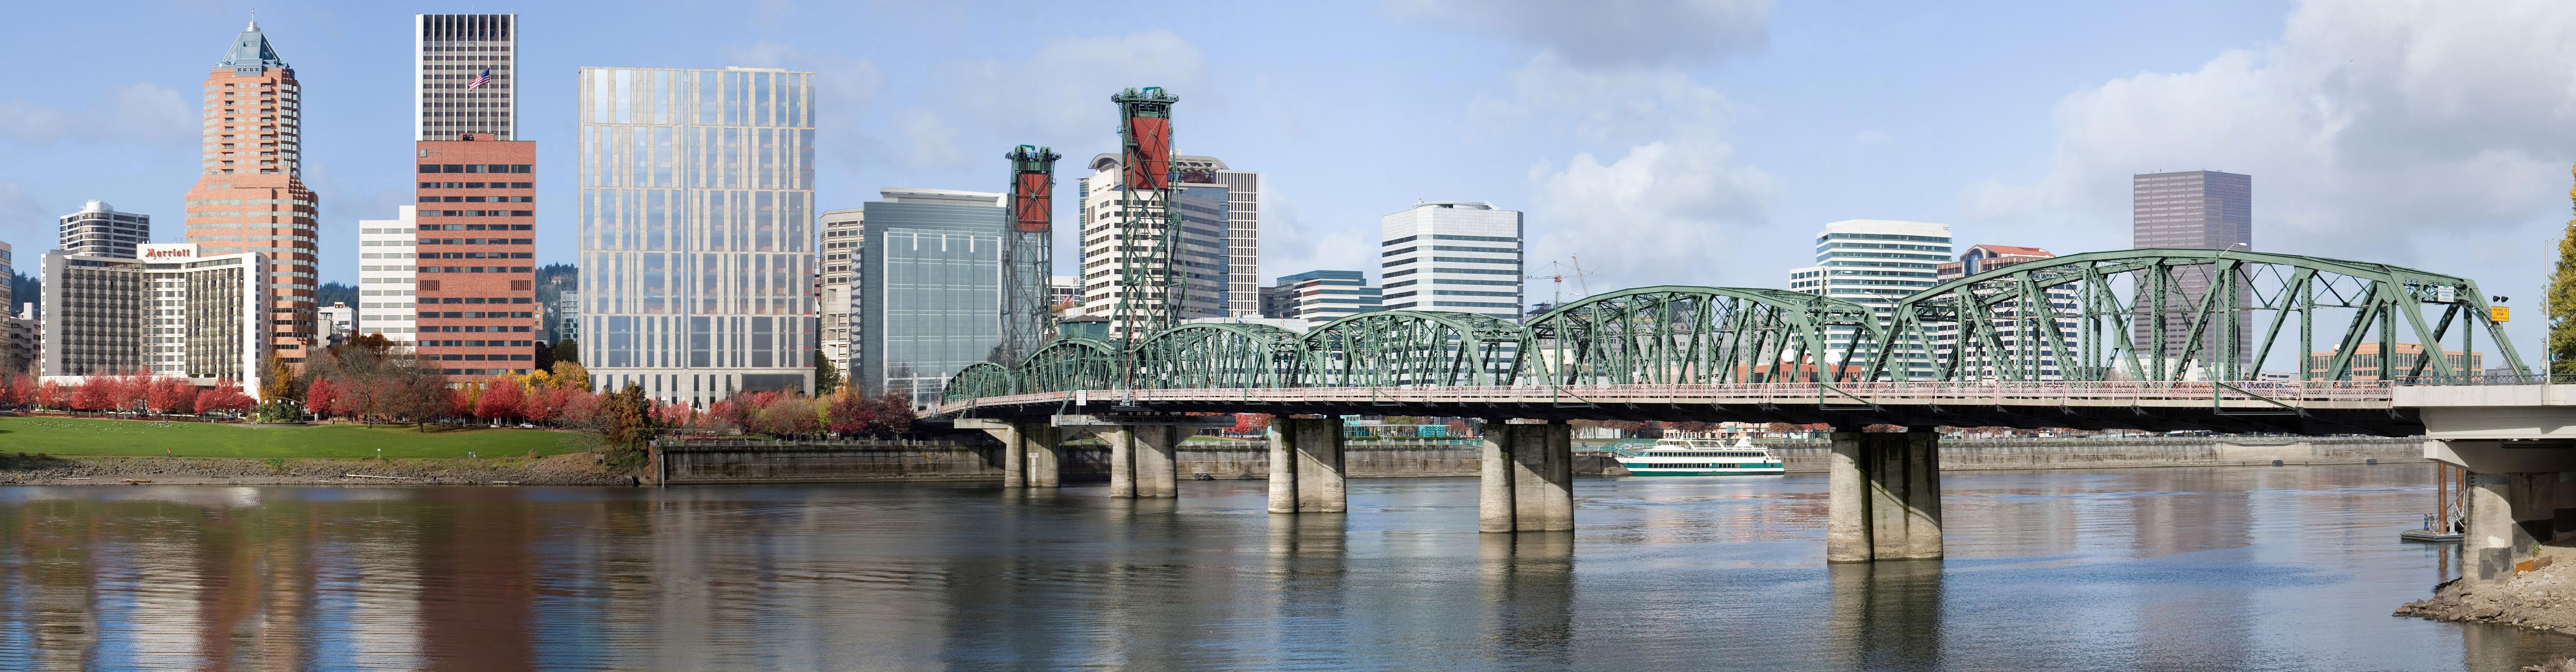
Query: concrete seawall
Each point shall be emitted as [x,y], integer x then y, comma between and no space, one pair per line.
[968,460]
[1810,457]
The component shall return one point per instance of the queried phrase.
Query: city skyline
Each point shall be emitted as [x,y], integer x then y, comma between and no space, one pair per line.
[1772,167]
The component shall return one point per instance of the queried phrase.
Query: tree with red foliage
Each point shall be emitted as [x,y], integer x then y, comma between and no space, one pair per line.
[460,402]
[171,395]
[348,399]
[893,413]
[500,400]
[54,395]
[724,415]
[226,395]
[94,393]
[320,396]
[23,392]
[542,404]
[850,413]
[1247,423]
[579,408]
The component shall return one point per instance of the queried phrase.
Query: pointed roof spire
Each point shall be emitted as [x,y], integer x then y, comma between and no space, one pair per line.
[251,52]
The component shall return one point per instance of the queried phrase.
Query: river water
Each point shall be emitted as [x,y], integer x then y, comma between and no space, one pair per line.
[2290,568]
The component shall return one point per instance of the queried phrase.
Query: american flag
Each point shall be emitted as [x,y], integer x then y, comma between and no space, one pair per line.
[479,80]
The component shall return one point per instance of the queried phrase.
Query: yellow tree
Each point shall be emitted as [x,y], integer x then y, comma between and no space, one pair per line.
[2560,304]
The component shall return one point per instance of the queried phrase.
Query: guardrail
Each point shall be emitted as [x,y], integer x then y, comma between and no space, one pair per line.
[2241,394]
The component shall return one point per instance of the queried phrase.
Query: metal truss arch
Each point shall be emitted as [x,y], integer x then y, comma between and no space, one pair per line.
[1679,334]
[1218,354]
[982,379]
[1393,348]
[1069,363]
[2169,314]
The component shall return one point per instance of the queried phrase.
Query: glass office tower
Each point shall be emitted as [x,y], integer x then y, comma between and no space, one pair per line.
[696,229]
[929,290]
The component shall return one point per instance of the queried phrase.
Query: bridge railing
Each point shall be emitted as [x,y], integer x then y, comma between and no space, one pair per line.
[2233,394]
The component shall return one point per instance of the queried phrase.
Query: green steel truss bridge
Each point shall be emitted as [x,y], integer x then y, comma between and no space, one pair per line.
[2155,339]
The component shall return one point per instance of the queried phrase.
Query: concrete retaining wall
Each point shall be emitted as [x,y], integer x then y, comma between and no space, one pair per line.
[875,461]
[2088,454]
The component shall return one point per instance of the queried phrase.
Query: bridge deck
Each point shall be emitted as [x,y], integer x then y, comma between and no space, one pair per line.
[2357,407]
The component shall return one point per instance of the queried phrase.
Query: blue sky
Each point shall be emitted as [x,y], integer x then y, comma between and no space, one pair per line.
[1684,142]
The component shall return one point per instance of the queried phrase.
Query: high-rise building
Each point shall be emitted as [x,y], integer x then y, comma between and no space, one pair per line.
[1064,291]
[8,269]
[339,322]
[929,290]
[388,276]
[476,303]
[475,310]
[1459,256]
[250,195]
[1193,175]
[842,232]
[2200,209]
[1217,242]
[1324,296]
[172,311]
[2013,331]
[1874,262]
[466,79]
[99,230]
[697,230]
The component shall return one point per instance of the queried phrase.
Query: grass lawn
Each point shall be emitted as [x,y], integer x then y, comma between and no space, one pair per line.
[79,437]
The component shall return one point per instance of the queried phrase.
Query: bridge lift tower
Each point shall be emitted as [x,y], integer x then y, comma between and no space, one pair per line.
[1151,285]
[1028,255]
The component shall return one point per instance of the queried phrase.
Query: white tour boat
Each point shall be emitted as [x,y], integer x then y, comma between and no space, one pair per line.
[1701,457]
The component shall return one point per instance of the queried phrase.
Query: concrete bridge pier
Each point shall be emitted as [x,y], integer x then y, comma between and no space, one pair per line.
[1528,483]
[2518,443]
[1140,460]
[1306,466]
[1029,450]
[1884,497]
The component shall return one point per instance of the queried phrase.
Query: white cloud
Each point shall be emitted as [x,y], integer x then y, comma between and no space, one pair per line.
[844,89]
[1610,32]
[1669,202]
[1290,244]
[929,142]
[1062,91]
[2390,131]
[140,112]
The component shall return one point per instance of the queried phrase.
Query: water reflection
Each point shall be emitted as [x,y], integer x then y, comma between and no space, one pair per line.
[1886,615]
[2291,568]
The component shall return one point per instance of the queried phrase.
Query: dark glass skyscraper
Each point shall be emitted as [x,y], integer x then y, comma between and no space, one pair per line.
[2203,209]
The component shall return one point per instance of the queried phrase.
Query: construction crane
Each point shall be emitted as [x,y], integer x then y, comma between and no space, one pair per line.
[1557,274]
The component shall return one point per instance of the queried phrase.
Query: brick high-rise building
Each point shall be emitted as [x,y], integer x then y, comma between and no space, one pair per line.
[250,195]
[476,247]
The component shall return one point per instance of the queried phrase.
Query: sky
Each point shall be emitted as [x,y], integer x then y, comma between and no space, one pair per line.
[1692,142]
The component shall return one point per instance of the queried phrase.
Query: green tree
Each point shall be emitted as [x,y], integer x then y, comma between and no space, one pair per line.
[568,350]
[827,378]
[2560,304]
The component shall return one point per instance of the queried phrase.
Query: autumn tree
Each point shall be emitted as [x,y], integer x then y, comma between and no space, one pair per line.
[2559,306]
[501,399]
[320,397]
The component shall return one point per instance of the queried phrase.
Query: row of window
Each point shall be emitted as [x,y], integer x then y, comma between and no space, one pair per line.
[1480,239]
[477,185]
[471,329]
[478,199]
[475,299]
[477,227]
[431,314]
[478,213]
[477,241]
[478,255]
[476,344]
[479,358]
[474,269]
[474,167]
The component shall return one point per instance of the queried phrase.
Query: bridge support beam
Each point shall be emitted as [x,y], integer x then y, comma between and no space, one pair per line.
[1306,466]
[1140,460]
[1884,497]
[1528,483]
[2521,497]
[1029,450]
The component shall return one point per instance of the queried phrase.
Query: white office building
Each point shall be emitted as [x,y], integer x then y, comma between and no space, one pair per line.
[843,230]
[99,230]
[1459,256]
[168,312]
[387,265]
[1875,262]
[696,231]
[1220,243]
